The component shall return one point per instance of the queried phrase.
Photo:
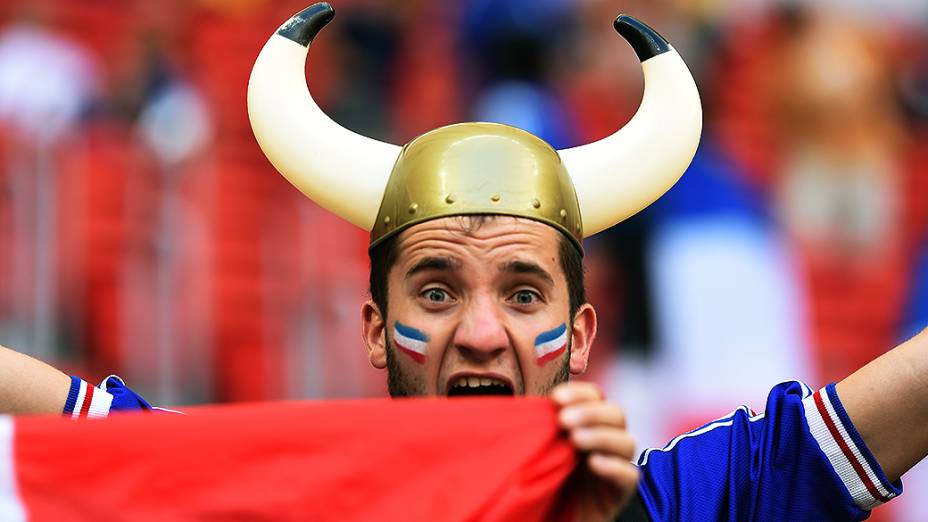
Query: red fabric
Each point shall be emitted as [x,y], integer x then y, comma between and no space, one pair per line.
[467,459]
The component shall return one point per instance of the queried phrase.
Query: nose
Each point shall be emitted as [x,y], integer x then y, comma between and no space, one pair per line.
[481,334]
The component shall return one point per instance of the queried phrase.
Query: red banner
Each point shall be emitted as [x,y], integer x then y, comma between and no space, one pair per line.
[448,460]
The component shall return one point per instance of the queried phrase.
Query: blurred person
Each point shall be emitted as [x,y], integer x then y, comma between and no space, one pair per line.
[516,53]
[825,136]
[47,82]
[512,39]
[370,40]
[174,125]
[138,250]
[526,106]
[479,269]
[729,313]
[600,89]
[838,187]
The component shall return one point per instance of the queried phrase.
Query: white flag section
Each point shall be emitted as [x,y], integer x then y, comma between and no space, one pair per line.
[11,510]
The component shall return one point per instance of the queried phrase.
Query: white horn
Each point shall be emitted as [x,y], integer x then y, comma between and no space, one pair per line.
[340,170]
[621,174]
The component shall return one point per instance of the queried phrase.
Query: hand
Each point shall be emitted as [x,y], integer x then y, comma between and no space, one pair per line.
[606,477]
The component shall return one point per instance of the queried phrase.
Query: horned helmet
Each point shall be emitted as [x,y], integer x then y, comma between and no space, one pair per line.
[474,168]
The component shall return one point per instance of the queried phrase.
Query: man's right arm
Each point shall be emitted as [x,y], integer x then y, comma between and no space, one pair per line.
[887,400]
[777,465]
[29,386]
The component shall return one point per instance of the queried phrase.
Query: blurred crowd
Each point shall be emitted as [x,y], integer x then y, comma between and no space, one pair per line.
[143,232]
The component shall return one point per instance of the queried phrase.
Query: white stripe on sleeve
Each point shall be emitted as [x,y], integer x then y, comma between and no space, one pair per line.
[839,459]
[853,446]
[99,404]
[721,422]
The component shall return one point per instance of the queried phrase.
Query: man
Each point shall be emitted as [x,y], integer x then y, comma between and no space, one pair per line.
[477,289]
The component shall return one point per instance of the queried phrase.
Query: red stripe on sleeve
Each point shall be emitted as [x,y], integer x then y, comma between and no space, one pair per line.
[823,411]
[88,398]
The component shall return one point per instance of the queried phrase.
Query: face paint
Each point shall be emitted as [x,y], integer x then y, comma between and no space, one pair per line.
[551,344]
[410,341]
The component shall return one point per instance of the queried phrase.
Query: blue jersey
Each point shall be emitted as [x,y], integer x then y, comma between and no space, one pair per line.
[801,459]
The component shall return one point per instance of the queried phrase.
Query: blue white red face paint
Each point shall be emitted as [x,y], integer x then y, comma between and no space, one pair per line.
[410,341]
[551,344]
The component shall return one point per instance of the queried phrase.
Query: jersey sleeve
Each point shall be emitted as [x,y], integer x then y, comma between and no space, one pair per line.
[802,459]
[86,400]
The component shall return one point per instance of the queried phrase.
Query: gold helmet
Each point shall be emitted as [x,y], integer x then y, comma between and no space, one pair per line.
[474,168]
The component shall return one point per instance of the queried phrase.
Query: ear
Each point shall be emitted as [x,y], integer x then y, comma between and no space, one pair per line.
[582,336]
[373,329]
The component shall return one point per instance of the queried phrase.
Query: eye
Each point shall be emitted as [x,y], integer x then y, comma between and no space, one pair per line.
[526,297]
[436,295]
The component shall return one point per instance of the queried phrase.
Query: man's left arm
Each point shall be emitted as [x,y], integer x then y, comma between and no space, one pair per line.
[887,401]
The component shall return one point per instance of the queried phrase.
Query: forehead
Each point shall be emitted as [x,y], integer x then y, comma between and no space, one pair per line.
[481,239]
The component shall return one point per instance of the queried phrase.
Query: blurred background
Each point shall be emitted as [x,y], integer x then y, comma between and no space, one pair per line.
[143,232]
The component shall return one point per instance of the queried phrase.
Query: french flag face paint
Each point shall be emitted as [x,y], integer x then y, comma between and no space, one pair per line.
[410,341]
[551,344]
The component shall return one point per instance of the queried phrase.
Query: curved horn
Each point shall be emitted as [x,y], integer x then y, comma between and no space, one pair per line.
[340,170]
[621,174]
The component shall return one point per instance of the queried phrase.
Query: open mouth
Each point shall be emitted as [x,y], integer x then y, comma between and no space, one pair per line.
[479,386]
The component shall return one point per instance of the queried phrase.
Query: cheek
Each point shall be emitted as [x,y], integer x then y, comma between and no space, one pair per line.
[550,345]
[411,342]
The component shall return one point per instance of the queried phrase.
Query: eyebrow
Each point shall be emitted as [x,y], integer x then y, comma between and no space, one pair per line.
[432,263]
[528,267]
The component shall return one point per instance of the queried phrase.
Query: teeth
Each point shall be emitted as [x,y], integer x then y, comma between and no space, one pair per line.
[474,382]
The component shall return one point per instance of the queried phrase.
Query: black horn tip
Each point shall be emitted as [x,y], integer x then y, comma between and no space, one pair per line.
[646,42]
[305,25]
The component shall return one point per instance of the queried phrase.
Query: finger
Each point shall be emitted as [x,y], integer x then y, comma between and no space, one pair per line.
[607,441]
[621,474]
[591,414]
[574,392]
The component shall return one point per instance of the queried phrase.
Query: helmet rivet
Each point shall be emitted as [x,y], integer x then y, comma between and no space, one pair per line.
[563,213]
[449,199]
[536,203]
[386,220]
[413,208]
[494,198]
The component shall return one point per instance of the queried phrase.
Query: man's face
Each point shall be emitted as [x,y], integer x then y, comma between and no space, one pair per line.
[478,307]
